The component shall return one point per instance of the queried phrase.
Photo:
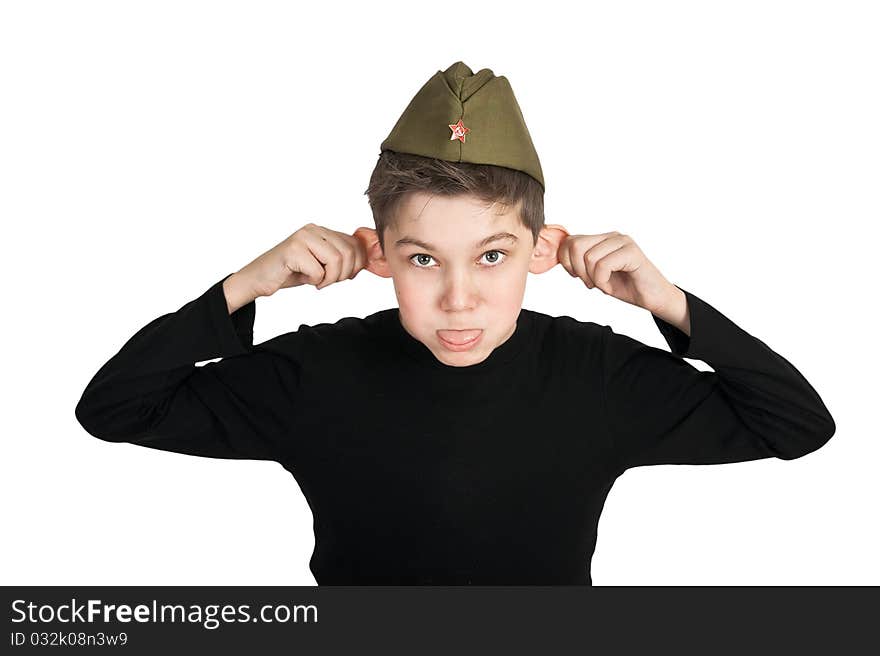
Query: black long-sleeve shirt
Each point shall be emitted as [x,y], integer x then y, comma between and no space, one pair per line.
[418,472]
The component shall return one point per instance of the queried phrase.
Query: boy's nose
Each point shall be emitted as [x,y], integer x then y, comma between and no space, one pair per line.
[460,293]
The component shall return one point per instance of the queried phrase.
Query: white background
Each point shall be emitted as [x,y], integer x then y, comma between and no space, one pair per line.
[148,149]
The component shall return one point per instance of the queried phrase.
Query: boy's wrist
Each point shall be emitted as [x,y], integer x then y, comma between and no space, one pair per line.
[238,292]
[675,311]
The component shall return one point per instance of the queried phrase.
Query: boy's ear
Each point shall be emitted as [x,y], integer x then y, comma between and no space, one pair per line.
[546,253]
[376,262]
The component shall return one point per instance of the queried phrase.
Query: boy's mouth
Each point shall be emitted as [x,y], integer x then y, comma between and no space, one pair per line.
[460,339]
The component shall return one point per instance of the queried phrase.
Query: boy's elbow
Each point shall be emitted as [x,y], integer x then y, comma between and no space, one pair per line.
[827,432]
[826,428]
[87,419]
[824,431]
[91,420]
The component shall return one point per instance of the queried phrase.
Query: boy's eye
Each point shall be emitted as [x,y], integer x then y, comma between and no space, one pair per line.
[495,260]
[419,259]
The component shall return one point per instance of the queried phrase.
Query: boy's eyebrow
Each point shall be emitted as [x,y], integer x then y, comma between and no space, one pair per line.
[403,241]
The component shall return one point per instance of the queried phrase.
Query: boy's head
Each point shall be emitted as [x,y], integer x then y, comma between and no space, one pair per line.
[437,198]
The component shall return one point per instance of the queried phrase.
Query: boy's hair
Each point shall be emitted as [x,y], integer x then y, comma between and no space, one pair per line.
[397,174]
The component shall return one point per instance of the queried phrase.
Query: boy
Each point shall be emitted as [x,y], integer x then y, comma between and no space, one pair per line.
[479,439]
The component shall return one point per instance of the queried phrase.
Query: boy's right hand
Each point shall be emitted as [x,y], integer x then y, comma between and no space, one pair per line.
[312,255]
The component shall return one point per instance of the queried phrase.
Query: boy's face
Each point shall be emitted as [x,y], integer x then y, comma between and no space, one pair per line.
[448,276]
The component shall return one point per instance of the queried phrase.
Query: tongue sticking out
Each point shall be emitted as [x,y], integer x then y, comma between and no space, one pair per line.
[459,336]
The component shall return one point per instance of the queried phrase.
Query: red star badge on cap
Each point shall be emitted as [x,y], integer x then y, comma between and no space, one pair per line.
[458,131]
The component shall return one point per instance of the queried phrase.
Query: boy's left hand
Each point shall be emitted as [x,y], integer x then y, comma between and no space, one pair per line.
[614,263]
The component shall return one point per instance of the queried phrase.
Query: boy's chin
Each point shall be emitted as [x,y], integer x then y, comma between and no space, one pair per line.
[461,359]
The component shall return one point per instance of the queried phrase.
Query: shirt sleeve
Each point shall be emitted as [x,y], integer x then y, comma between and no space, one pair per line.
[152,393]
[662,410]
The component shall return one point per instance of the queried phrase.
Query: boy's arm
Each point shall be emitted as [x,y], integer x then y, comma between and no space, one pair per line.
[662,410]
[152,394]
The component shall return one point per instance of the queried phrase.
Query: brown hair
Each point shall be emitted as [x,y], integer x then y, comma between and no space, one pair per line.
[396,174]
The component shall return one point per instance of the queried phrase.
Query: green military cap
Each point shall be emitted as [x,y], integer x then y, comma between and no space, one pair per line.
[480,110]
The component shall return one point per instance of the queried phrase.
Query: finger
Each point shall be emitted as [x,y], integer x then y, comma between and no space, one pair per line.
[582,244]
[329,257]
[346,265]
[363,238]
[352,256]
[306,260]
[586,242]
[563,254]
[350,248]
[304,265]
[334,266]
[579,265]
[348,262]
[600,249]
[621,259]
[360,256]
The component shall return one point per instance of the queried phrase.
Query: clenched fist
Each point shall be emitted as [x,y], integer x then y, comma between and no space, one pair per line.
[614,263]
[312,255]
